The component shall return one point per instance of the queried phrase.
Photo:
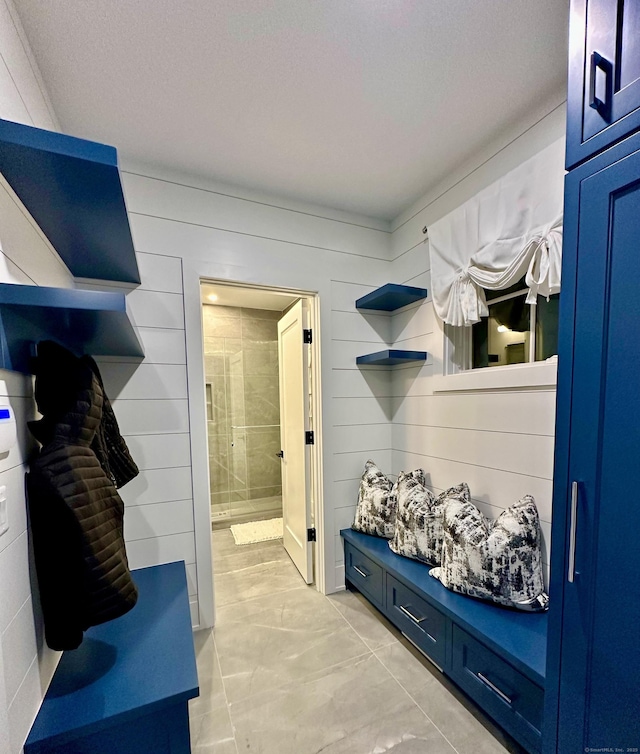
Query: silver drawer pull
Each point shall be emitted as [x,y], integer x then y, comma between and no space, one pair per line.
[493,687]
[361,572]
[409,614]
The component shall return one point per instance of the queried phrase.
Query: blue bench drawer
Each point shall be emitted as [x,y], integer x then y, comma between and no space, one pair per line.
[364,574]
[511,698]
[418,619]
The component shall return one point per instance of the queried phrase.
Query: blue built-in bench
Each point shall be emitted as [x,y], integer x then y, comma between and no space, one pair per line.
[496,655]
[126,688]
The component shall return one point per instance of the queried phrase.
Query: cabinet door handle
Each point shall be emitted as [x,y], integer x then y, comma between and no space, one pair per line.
[571,571]
[409,614]
[361,572]
[602,106]
[494,688]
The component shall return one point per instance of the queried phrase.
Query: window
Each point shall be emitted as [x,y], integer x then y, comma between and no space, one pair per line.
[514,332]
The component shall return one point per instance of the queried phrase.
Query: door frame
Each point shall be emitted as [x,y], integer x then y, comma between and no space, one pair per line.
[199,438]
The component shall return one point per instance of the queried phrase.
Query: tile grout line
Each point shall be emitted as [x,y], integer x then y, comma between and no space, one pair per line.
[224,691]
[262,596]
[303,679]
[224,687]
[406,691]
[415,701]
[367,652]
[353,628]
[330,668]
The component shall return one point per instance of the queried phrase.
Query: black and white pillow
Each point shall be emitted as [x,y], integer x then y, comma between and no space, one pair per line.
[419,532]
[377,503]
[375,511]
[495,560]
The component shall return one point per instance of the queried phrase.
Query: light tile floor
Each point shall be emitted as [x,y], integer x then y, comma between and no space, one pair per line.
[289,671]
[223,515]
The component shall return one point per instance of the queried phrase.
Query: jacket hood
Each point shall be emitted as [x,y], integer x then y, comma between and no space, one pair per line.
[67,394]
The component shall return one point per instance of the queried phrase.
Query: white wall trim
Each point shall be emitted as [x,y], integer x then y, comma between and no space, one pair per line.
[317,462]
[542,374]
[198,440]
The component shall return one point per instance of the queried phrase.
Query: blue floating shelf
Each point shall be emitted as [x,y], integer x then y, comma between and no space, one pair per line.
[72,189]
[90,322]
[391,357]
[391,297]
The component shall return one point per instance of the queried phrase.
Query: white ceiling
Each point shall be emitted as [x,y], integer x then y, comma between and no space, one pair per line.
[247,297]
[361,105]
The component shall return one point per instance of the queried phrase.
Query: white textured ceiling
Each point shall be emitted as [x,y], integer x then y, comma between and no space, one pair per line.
[219,294]
[362,105]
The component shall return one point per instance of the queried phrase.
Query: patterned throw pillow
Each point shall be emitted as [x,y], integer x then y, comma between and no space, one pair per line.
[376,506]
[377,502]
[495,560]
[419,533]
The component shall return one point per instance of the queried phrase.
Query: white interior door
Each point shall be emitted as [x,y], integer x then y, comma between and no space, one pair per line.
[294,401]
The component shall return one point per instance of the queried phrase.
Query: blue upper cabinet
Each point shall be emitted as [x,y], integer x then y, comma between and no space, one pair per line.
[391,297]
[603,104]
[72,189]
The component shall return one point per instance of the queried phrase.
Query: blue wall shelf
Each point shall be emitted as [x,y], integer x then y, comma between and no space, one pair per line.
[391,297]
[90,322]
[391,357]
[72,189]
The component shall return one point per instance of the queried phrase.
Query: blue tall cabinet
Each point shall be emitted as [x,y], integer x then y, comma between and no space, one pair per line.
[592,694]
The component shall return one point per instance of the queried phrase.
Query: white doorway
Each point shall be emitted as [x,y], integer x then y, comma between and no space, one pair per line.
[241,415]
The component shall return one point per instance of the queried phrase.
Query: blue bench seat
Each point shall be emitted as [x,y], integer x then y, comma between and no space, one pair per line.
[126,688]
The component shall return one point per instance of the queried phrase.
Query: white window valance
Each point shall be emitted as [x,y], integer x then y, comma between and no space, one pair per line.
[511,229]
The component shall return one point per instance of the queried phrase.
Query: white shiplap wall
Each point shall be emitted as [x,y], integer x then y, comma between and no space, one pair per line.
[26,664]
[220,232]
[151,401]
[361,403]
[500,441]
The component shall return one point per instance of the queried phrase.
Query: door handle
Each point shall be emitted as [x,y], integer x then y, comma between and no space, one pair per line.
[571,571]
[602,106]
[280,454]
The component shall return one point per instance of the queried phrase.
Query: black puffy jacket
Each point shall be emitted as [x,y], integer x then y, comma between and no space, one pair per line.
[76,511]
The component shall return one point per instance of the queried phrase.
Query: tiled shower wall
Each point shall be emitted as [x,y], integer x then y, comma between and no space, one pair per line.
[241,372]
